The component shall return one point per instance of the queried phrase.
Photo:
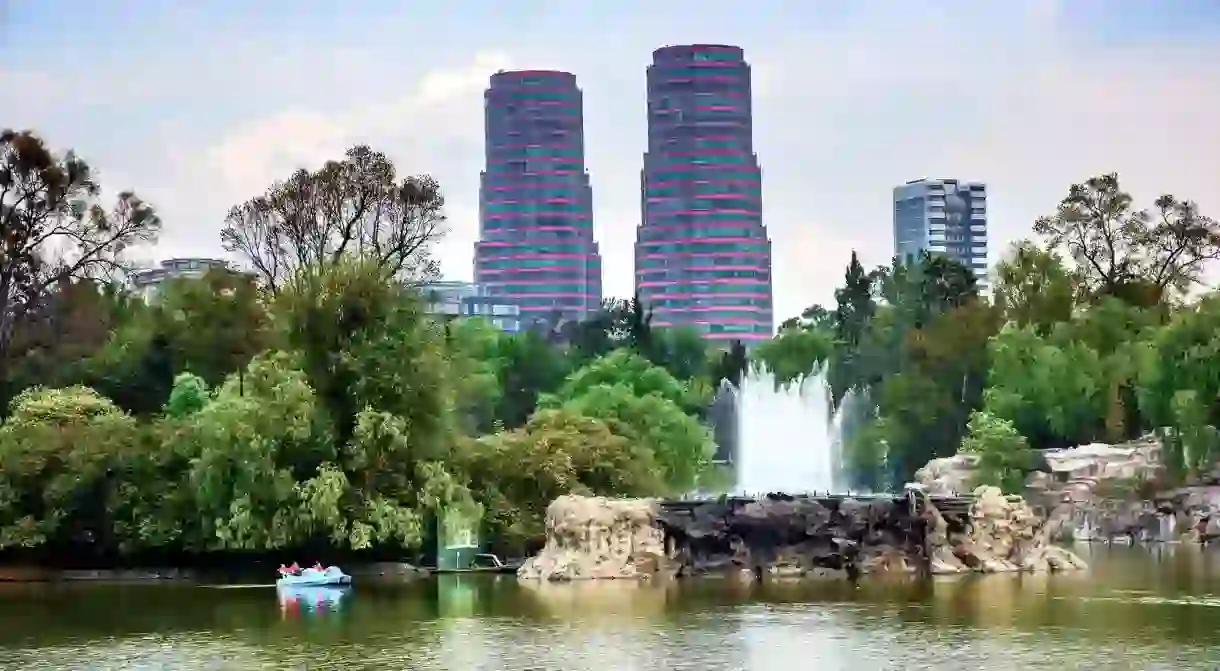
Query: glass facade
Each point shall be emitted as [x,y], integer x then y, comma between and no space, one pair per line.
[943,216]
[702,256]
[535,205]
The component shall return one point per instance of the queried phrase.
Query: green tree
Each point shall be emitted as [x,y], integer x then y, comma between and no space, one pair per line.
[645,404]
[1177,381]
[680,445]
[1004,454]
[248,454]
[529,367]
[214,325]
[59,453]
[640,376]
[476,367]
[1034,288]
[517,474]
[189,395]
[795,352]
[1053,391]
[54,230]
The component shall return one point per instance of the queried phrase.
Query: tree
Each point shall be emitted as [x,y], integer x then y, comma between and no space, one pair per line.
[852,316]
[53,345]
[681,447]
[354,207]
[1128,253]
[642,377]
[215,324]
[795,352]
[680,350]
[1034,288]
[529,366]
[517,474]
[1052,390]
[210,326]
[366,342]
[59,452]
[645,404]
[52,229]
[1004,454]
[732,364]
[473,348]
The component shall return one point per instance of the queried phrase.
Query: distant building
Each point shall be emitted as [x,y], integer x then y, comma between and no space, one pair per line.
[149,281]
[943,216]
[536,241]
[467,299]
[702,255]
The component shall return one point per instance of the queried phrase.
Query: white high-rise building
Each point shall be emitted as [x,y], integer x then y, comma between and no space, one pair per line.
[943,216]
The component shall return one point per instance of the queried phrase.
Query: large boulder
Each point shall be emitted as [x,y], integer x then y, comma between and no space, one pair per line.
[948,476]
[596,537]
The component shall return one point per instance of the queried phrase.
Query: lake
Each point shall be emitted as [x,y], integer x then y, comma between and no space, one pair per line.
[1137,608]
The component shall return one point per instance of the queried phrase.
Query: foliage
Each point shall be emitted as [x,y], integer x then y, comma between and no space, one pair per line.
[1131,254]
[59,451]
[315,403]
[518,473]
[1034,288]
[643,403]
[189,395]
[54,231]
[355,207]
[1004,454]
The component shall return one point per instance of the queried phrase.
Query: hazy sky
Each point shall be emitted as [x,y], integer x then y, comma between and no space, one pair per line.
[201,108]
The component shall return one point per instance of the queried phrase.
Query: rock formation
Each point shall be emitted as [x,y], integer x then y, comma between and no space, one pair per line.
[1003,534]
[1099,492]
[1072,472]
[1186,514]
[596,537]
[783,536]
[948,476]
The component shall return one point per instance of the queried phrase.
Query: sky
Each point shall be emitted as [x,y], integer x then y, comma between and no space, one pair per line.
[198,108]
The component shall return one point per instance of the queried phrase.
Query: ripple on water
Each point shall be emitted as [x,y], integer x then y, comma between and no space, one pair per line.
[1119,618]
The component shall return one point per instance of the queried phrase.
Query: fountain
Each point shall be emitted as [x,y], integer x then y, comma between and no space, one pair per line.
[786,437]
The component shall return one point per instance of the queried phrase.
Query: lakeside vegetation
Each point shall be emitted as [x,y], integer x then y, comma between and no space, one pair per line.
[313,402]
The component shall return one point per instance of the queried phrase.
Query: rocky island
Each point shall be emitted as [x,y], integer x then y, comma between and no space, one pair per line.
[1103,493]
[791,537]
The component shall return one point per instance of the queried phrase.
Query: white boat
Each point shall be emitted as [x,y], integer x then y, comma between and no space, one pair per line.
[312,577]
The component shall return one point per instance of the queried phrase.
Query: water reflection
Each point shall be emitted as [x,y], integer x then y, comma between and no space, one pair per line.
[296,601]
[1136,609]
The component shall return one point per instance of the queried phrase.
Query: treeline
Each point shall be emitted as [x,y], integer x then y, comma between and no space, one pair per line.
[312,402]
[1100,328]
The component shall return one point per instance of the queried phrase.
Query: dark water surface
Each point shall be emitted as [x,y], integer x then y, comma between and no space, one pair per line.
[1137,608]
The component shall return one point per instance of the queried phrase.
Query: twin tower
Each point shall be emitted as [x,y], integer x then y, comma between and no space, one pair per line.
[702,256]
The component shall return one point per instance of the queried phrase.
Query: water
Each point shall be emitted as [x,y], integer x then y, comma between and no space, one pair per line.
[1136,609]
[787,440]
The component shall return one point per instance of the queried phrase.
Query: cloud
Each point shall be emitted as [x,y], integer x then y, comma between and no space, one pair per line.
[849,102]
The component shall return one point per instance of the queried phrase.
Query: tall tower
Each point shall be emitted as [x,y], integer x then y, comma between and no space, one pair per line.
[702,256]
[535,204]
[943,216]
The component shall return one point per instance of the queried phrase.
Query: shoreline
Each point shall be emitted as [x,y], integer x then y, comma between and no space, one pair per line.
[20,574]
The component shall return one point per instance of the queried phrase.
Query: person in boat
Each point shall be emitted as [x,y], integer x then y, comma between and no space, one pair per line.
[317,566]
[290,570]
